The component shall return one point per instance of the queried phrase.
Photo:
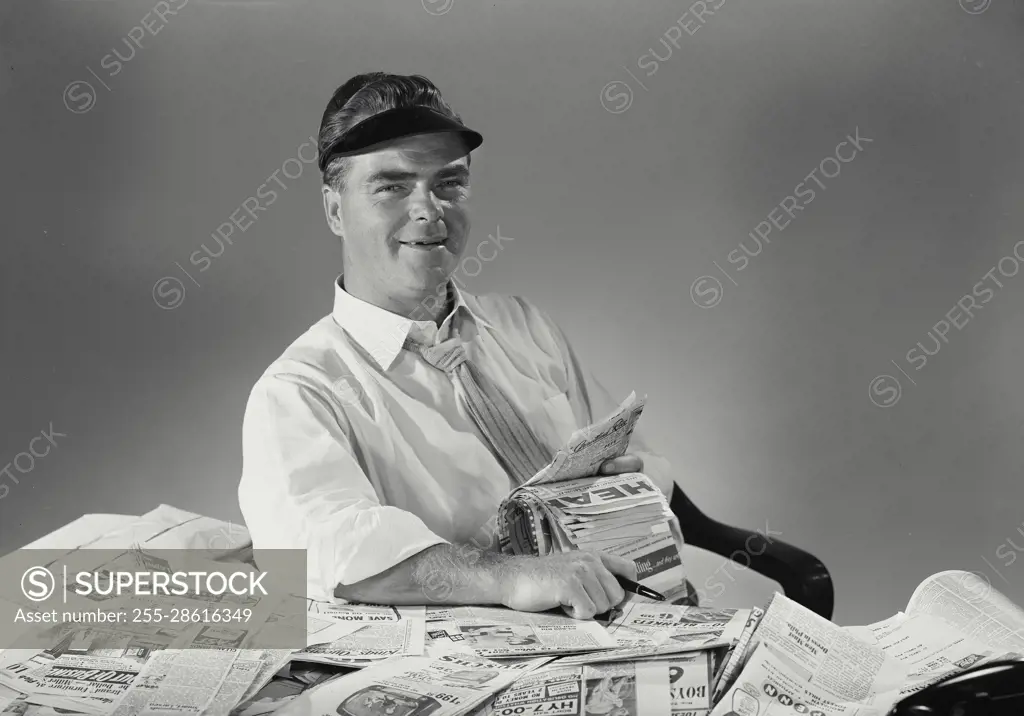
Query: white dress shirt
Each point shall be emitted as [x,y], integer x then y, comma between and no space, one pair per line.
[356,450]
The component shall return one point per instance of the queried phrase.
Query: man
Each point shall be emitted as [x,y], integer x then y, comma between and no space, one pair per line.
[383,439]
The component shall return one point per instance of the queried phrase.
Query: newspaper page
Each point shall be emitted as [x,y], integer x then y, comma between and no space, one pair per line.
[676,687]
[733,662]
[821,652]
[798,657]
[6,693]
[249,673]
[768,686]
[369,643]
[164,527]
[177,681]
[22,707]
[83,682]
[21,670]
[643,631]
[324,631]
[928,649]
[447,685]
[86,683]
[690,677]
[495,632]
[973,606]
[872,632]
[445,637]
[239,678]
[343,611]
[588,447]
[271,662]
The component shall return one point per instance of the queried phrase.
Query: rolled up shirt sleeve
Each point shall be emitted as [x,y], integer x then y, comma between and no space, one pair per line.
[303,488]
[591,401]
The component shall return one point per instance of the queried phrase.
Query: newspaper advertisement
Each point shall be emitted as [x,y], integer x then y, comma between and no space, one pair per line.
[440,614]
[177,681]
[690,678]
[369,643]
[21,670]
[768,686]
[352,612]
[91,684]
[447,685]
[679,686]
[445,637]
[588,447]
[494,632]
[646,630]
[973,606]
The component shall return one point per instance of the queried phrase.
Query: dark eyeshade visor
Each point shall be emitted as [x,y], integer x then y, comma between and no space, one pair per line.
[395,124]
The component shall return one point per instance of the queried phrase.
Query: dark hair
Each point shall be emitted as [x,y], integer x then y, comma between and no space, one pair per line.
[364,96]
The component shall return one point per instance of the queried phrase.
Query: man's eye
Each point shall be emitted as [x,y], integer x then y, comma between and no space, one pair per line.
[453,186]
[388,187]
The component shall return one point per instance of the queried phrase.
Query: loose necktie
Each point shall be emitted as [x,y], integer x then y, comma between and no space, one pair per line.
[510,439]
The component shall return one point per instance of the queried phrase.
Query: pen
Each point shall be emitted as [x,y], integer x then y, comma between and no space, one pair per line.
[630,586]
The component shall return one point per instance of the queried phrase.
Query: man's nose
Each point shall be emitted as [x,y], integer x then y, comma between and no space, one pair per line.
[423,206]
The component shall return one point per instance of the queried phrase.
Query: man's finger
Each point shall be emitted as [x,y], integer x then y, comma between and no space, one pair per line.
[614,592]
[623,464]
[578,602]
[618,565]
[595,589]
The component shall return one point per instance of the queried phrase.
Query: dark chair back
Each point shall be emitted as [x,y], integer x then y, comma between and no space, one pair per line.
[801,575]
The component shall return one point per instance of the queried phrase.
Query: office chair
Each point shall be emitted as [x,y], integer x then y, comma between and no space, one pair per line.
[803,577]
[989,689]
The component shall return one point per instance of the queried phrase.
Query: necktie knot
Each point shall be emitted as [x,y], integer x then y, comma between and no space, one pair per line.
[447,355]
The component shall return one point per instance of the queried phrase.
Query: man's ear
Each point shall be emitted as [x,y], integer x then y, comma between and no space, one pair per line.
[332,210]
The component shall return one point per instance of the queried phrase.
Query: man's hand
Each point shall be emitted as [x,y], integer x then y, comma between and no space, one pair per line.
[629,462]
[583,582]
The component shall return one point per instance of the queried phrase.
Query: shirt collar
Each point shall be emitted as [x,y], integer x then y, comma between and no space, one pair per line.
[383,333]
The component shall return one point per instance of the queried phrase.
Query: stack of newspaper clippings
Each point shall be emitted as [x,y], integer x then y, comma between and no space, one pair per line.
[564,507]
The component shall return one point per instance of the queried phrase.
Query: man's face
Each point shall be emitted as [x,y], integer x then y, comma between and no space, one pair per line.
[413,189]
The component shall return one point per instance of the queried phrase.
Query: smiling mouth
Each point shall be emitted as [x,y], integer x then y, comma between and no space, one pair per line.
[427,242]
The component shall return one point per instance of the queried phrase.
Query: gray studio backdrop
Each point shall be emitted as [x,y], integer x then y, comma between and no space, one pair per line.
[629,154]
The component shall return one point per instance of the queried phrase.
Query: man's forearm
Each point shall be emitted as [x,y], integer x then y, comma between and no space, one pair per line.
[441,574]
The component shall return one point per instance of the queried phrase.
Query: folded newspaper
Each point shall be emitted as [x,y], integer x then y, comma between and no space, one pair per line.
[790,659]
[566,507]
